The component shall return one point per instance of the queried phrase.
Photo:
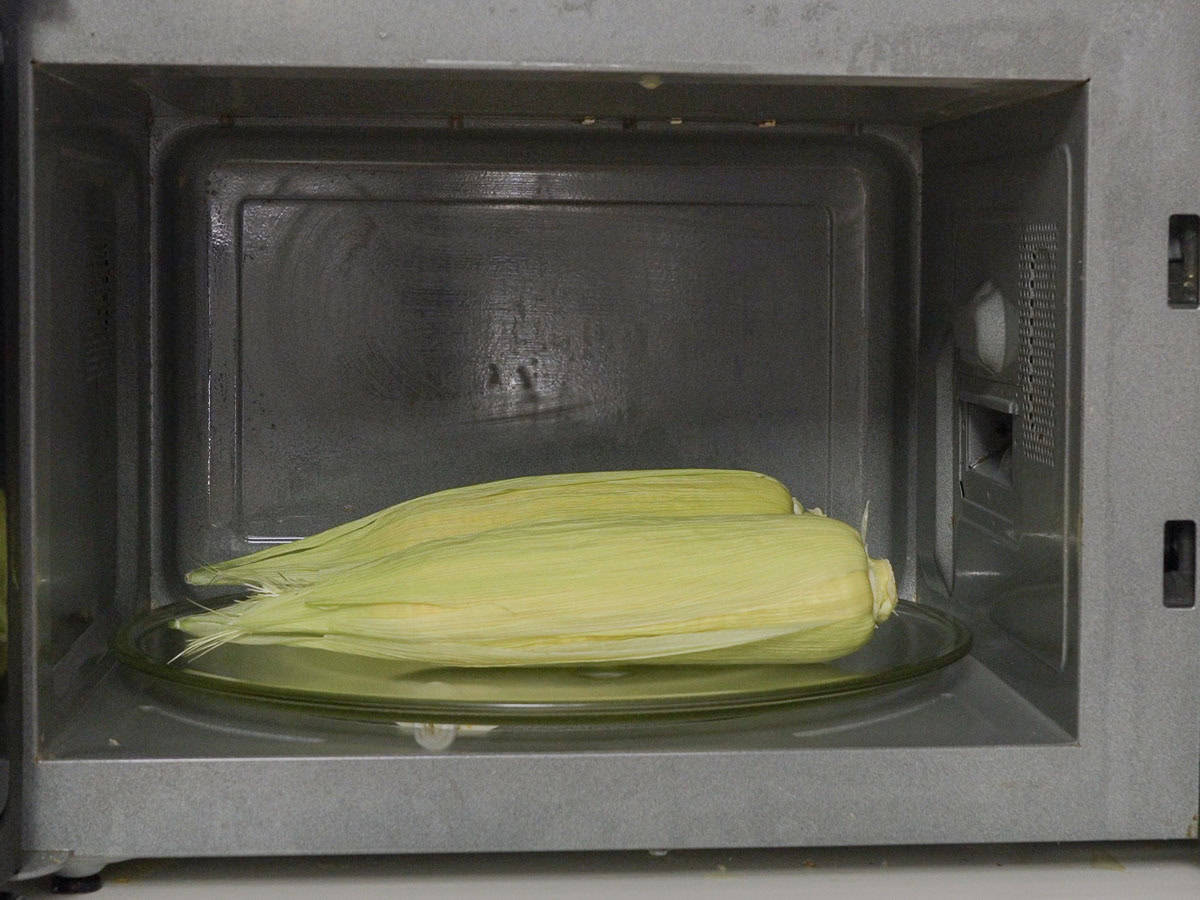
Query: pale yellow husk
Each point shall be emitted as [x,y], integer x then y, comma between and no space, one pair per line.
[727,588]
[497,504]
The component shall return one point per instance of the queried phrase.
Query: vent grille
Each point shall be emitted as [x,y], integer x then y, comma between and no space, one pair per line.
[1038,279]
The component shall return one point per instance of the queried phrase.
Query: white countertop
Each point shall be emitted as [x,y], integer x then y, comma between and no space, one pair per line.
[1073,871]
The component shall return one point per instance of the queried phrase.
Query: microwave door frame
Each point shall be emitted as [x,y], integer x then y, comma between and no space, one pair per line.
[11,136]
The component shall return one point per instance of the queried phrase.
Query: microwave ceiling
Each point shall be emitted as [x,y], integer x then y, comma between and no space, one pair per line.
[585,97]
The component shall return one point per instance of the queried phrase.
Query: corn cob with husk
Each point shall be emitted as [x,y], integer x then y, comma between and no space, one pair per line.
[499,504]
[705,589]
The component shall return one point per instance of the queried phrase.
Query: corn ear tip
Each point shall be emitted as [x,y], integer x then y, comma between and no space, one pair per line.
[207,573]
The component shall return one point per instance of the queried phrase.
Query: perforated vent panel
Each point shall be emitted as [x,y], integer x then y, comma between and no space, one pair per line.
[1038,279]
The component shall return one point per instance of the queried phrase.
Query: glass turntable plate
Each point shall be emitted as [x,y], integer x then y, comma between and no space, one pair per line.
[914,641]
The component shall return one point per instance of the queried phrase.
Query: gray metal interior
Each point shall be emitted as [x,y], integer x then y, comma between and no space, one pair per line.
[265,300]
[347,316]
[402,311]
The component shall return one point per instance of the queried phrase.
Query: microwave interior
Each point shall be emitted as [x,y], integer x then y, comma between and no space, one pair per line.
[269,301]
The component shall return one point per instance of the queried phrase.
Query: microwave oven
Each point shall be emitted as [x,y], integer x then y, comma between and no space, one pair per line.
[271,266]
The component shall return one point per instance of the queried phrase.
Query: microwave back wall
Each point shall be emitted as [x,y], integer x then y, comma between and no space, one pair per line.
[274,266]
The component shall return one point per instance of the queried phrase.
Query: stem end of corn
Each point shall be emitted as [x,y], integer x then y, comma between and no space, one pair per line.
[883,588]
